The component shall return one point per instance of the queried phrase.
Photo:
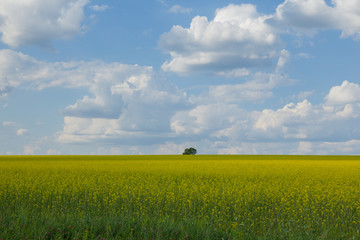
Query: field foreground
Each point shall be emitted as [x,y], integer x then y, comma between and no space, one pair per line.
[180,197]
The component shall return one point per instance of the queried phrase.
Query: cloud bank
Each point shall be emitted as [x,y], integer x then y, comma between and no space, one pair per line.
[123,101]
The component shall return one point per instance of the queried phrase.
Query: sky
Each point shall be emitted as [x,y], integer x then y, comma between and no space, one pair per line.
[159,76]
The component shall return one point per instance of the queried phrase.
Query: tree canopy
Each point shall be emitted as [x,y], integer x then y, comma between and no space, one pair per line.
[189,151]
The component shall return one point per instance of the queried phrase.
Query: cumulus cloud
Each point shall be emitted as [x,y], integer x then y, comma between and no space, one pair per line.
[122,100]
[274,119]
[217,112]
[145,108]
[236,130]
[313,15]
[240,38]
[143,114]
[237,38]
[305,14]
[109,86]
[346,93]
[304,120]
[40,21]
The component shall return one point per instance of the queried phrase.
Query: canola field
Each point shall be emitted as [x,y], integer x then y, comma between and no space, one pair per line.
[180,197]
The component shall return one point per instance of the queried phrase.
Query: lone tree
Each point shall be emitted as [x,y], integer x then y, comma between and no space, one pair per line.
[189,151]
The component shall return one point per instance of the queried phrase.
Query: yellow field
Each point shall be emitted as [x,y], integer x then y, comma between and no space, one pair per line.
[178,197]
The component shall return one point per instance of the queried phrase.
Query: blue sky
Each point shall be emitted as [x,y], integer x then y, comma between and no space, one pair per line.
[158,76]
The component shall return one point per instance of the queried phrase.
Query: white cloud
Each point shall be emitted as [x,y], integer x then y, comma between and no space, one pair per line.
[311,122]
[346,93]
[349,12]
[38,22]
[20,70]
[110,85]
[313,15]
[124,101]
[128,102]
[283,59]
[348,112]
[256,89]
[133,102]
[238,37]
[21,132]
[289,113]
[217,113]
[136,107]
[17,69]
[99,8]
[179,9]
[308,14]
[301,127]
[86,129]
